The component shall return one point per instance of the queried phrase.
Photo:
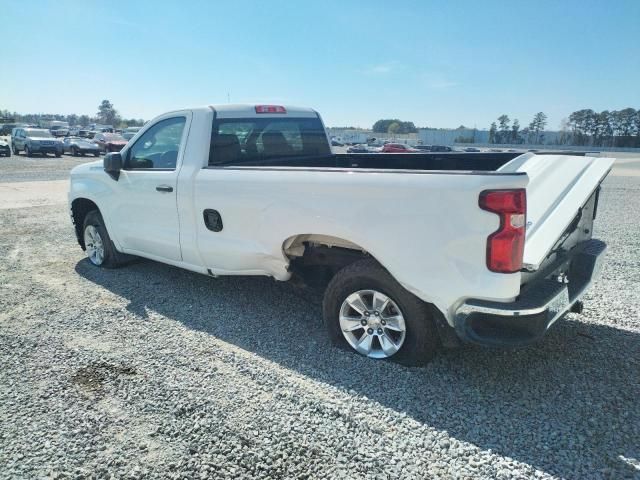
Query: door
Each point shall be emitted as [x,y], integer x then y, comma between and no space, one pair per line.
[146,202]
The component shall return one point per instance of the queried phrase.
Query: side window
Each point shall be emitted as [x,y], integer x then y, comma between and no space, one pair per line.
[158,147]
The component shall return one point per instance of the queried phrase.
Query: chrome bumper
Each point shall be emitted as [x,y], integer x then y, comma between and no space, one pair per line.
[539,305]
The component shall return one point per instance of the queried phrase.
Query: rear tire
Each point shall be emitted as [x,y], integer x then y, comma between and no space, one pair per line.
[414,346]
[98,244]
[27,151]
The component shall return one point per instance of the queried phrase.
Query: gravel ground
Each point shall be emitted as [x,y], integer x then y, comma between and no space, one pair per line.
[154,372]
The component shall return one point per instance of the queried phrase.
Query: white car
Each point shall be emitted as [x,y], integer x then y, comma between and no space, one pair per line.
[415,250]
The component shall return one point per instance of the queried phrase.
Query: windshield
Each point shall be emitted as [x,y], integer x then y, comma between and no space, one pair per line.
[33,132]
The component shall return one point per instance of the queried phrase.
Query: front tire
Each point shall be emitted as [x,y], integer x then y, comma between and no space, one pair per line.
[15,150]
[28,151]
[366,310]
[98,244]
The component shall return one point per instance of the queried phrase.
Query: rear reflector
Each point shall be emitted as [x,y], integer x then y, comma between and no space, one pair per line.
[270,109]
[505,246]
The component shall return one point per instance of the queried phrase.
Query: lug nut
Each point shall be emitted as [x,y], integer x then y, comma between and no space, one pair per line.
[369,331]
[376,314]
[363,322]
[366,314]
[383,322]
[379,331]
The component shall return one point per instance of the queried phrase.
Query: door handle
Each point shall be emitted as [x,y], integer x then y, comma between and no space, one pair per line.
[164,188]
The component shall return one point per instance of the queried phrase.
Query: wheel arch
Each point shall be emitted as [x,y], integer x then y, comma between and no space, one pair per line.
[315,258]
[80,207]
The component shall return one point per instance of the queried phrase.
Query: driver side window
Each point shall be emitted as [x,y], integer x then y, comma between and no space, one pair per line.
[158,147]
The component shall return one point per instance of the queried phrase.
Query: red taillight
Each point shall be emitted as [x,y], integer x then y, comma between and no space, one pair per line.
[505,246]
[270,109]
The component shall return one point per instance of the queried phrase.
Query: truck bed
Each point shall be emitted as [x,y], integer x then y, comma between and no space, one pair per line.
[450,161]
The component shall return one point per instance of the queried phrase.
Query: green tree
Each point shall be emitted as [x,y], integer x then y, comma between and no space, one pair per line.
[515,131]
[394,127]
[537,125]
[382,126]
[503,134]
[107,114]
[493,132]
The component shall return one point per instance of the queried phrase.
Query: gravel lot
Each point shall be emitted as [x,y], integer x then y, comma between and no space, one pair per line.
[150,371]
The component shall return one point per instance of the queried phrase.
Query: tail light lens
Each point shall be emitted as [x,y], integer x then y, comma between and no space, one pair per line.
[505,246]
[270,109]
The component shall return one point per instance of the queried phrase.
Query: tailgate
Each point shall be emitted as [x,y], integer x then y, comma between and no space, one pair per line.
[559,185]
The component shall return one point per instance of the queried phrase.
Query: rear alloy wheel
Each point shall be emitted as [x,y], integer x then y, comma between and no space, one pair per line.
[366,310]
[372,324]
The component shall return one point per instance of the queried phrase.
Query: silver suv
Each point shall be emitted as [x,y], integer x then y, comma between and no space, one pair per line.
[35,140]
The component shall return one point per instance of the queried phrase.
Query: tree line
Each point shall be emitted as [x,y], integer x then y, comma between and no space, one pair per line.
[504,132]
[393,125]
[106,115]
[586,127]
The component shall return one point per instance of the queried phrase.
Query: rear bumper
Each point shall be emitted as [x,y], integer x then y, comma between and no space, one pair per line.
[539,305]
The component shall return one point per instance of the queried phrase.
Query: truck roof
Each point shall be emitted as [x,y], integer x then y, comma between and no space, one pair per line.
[247,110]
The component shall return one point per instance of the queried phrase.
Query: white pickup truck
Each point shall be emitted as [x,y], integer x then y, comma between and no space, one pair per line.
[414,250]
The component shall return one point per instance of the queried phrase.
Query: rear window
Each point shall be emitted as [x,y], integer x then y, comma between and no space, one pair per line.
[237,141]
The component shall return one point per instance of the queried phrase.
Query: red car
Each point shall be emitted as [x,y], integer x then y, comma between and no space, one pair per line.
[397,148]
[110,142]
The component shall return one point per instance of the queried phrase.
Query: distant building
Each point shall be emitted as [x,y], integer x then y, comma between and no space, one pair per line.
[449,136]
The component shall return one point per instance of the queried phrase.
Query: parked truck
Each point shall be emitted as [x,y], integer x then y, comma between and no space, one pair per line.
[413,251]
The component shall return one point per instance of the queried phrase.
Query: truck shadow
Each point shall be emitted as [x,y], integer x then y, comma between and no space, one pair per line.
[490,396]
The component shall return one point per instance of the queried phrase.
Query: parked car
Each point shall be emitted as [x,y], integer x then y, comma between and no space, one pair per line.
[109,142]
[79,146]
[358,149]
[441,148]
[35,140]
[129,132]
[5,149]
[471,249]
[336,143]
[59,131]
[422,148]
[6,128]
[397,148]
[83,133]
[472,149]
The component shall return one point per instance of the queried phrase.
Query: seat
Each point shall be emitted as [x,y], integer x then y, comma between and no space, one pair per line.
[275,145]
[225,148]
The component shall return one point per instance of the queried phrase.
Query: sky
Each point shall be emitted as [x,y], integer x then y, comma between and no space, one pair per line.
[438,64]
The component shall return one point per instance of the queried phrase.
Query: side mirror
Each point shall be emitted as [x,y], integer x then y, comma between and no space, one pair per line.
[113,164]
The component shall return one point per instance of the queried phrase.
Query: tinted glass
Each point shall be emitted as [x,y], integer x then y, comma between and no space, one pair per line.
[158,147]
[38,133]
[252,140]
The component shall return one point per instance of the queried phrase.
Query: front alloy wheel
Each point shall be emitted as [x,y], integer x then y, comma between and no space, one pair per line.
[94,245]
[372,324]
